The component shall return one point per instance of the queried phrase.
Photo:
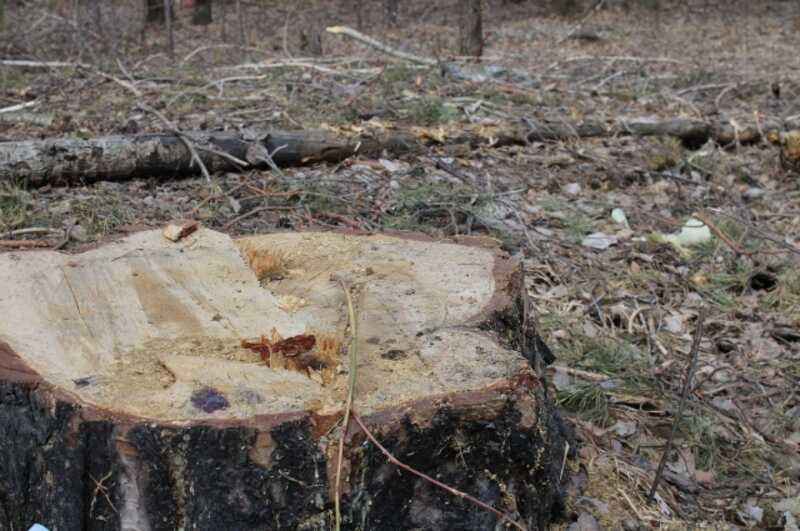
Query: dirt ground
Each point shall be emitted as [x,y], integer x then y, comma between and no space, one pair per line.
[616,301]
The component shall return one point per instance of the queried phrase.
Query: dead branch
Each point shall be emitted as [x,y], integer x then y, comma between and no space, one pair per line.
[369,41]
[687,384]
[18,107]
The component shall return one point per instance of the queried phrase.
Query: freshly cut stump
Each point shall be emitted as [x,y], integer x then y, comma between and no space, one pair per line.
[128,401]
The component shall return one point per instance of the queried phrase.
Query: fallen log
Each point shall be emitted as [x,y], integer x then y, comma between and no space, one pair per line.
[71,160]
[119,157]
[200,383]
[693,133]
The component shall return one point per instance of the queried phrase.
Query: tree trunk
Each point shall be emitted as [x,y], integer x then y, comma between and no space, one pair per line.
[470,28]
[311,39]
[390,12]
[222,15]
[241,23]
[154,11]
[201,16]
[170,23]
[358,8]
[129,400]
[97,19]
[566,8]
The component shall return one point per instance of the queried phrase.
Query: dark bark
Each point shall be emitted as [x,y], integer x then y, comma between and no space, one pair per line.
[390,11]
[201,16]
[169,17]
[566,8]
[470,28]
[311,39]
[70,473]
[154,11]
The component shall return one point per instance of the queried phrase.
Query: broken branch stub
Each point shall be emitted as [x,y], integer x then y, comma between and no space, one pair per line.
[199,383]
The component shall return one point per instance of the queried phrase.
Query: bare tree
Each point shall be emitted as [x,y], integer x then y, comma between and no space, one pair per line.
[470,29]
[168,13]
[311,35]
[566,8]
[240,21]
[154,11]
[97,18]
[201,16]
[222,14]
[390,10]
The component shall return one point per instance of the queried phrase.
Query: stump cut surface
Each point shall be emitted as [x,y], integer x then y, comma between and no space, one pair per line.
[139,326]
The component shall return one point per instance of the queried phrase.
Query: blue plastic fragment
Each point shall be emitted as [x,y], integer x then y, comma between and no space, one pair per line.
[38,527]
[209,399]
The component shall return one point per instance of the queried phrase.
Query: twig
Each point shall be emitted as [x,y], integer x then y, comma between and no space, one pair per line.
[721,235]
[211,197]
[585,375]
[687,384]
[217,47]
[31,230]
[351,386]
[38,64]
[18,107]
[24,244]
[392,459]
[369,41]
[789,247]
[246,215]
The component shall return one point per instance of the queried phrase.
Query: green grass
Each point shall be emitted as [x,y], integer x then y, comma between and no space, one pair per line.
[397,73]
[577,223]
[664,153]
[101,216]
[14,79]
[14,212]
[431,110]
[589,400]
[785,298]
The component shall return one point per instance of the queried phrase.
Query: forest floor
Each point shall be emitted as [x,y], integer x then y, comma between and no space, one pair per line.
[616,301]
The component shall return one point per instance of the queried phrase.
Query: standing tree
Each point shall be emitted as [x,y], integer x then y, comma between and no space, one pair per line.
[390,10]
[154,11]
[202,13]
[97,18]
[311,34]
[240,22]
[168,17]
[470,29]
[566,8]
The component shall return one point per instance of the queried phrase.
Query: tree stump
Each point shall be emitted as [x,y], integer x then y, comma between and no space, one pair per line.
[135,395]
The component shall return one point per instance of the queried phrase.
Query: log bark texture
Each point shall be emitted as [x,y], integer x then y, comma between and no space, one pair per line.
[70,160]
[126,401]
